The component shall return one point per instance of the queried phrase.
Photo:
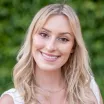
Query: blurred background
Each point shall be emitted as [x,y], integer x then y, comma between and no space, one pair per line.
[16,16]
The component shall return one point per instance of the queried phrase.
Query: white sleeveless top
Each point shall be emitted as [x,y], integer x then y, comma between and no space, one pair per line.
[18,99]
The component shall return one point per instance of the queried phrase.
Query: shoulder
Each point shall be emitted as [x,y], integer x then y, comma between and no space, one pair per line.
[6,99]
[95,89]
[13,96]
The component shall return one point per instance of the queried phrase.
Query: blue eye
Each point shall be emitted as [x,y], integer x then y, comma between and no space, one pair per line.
[63,40]
[44,35]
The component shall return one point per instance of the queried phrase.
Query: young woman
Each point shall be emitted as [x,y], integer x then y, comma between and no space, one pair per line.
[53,63]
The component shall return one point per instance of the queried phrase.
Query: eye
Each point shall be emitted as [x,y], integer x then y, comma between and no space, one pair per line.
[44,35]
[63,40]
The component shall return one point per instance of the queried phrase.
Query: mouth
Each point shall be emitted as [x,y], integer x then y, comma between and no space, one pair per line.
[49,57]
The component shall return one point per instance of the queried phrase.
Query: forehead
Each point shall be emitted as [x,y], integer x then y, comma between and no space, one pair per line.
[58,23]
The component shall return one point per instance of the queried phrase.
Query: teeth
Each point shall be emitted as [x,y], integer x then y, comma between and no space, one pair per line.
[50,57]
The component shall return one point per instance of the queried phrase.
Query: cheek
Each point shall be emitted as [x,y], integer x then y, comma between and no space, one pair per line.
[38,43]
[66,50]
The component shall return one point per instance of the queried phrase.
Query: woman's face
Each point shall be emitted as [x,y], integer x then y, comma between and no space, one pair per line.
[53,44]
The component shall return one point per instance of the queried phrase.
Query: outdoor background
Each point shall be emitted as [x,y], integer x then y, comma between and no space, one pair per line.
[15,17]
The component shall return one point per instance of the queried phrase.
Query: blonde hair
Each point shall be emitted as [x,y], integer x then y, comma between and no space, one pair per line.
[76,71]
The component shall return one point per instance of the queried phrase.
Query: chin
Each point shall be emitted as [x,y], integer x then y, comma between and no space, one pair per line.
[48,67]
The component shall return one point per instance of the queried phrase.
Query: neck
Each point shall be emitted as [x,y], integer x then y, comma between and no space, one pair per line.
[49,80]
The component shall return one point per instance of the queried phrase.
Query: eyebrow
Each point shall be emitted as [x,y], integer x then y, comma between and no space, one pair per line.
[46,30]
[59,33]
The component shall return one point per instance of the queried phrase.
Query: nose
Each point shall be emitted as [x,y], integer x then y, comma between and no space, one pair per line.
[50,45]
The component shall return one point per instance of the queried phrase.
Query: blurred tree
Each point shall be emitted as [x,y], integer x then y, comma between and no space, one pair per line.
[15,17]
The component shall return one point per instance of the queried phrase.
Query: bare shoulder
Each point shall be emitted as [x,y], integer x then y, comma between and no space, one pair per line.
[6,99]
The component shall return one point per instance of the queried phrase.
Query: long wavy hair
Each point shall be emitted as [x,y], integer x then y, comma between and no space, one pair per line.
[76,71]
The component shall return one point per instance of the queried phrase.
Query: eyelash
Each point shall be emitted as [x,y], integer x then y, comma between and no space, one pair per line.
[63,39]
[45,35]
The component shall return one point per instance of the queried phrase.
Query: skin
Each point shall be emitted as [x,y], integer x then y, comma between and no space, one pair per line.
[6,99]
[52,46]
[55,41]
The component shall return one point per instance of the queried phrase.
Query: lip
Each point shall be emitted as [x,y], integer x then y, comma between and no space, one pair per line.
[49,57]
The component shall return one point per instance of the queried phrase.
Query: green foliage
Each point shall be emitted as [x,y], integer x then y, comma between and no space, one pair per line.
[15,17]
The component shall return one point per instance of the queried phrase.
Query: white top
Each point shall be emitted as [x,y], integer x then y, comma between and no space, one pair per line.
[18,100]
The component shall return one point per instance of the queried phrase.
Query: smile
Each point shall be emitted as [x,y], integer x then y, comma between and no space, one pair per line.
[49,57]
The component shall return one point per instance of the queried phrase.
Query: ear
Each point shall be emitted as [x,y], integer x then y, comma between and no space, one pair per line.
[73,48]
